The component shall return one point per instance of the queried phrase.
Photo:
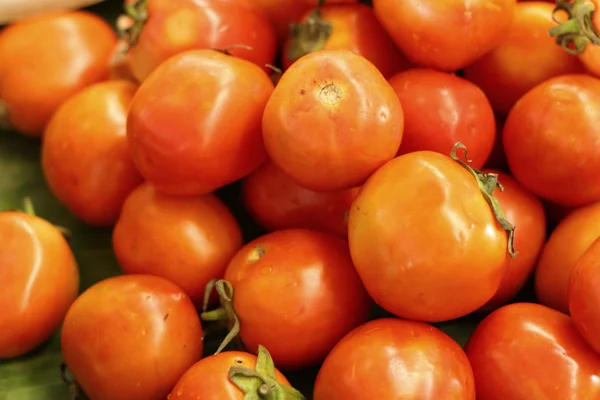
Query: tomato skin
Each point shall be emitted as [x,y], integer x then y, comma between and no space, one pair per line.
[441,109]
[364,364]
[528,351]
[505,81]
[276,202]
[445,35]
[51,57]
[208,379]
[188,240]
[40,280]
[590,57]
[296,293]
[355,121]
[122,325]
[195,123]
[411,202]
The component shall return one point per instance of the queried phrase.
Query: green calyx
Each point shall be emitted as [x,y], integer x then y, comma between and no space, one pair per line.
[137,11]
[578,31]
[487,184]
[309,36]
[30,210]
[224,313]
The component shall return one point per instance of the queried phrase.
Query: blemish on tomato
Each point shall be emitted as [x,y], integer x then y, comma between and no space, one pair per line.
[255,254]
[331,94]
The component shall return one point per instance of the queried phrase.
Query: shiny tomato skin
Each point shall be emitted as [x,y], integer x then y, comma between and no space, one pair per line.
[551,141]
[332,121]
[393,359]
[40,281]
[100,173]
[414,201]
[502,79]
[276,202]
[208,379]
[195,123]
[131,337]
[441,109]
[51,57]
[526,351]
[175,26]
[297,294]
[445,35]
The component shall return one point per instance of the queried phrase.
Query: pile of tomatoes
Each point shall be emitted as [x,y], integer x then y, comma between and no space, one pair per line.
[420,158]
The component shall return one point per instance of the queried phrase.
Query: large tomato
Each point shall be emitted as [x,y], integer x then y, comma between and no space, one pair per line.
[332,121]
[39,278]
[394,359]
[47,59]
[441,109]
[99,173]
[527,351]
[551,140]
[446,35]
[131,337]
[195,123]
[424,240]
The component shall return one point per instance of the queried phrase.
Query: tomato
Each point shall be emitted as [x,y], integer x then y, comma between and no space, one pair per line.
[527,212]
[131,337]
[276,202]
[195,123]
[446,35]
[282,13]
[332,121]
[188,240]
[39,278]
[551,164]
[51,57]
[393,359]
[345,26]
[424,240]
[175,26]
[528,351]
[100,173]
[441,109]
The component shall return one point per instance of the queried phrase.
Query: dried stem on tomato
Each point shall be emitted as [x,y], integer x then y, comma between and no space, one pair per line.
[578,31]
[223,313]
[138,12]
[309,36]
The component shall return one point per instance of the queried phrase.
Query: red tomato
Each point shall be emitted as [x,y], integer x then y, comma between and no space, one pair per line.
[276,202]
[39,278]
[424,240]
[554,165]
[446,35]
[51,58]
[195,123]
[131,337]
[100,173]
[394,359]
[175,26]
[528,351]
[188,240]
[332,121]
[352,27]
[441,109]
[297,294]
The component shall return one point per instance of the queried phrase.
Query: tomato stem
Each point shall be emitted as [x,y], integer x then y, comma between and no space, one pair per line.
[309,36]
[227,50]
[225,312]
[487,184]
[74,389]
[29,209]
[578,31]
[137,11]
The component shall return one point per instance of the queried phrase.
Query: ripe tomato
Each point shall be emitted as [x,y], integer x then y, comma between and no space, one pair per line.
[345,26]
[332,121]
[393,359]
[195,123]
[502,79]
[39,278]
[528,351]
[51,57]
[99,173]
[446,35]
[175,26]
[296,293]
[188,240]
[276,202]
[551,164]
[131,337]
[441,109]
[412,202]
